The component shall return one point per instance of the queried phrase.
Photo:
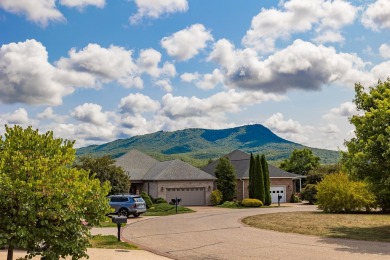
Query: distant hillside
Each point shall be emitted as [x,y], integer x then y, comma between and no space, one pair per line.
[197,146]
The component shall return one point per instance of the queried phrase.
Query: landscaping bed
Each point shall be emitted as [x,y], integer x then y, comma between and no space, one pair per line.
[164,209]
[371,227]
[109,242]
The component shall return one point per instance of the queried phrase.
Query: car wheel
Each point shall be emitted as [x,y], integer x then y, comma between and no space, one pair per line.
[123,212]
[136,215]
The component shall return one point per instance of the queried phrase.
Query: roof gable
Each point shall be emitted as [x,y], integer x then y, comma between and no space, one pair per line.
[136,164]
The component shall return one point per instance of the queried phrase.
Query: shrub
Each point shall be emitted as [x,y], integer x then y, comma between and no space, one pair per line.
[251,203]
[159,201]
[337,193]
[295,198]
[216,197]
[147,199]
[309,193]
[230,204]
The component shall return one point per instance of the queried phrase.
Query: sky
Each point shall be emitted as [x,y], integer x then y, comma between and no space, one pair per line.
[98,70]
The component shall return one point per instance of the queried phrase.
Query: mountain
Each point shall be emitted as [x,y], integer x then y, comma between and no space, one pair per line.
[198,146]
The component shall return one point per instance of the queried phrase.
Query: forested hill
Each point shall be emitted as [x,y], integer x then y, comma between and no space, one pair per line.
[197,146]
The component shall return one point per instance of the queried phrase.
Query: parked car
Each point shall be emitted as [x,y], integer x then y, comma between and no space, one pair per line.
[127,204]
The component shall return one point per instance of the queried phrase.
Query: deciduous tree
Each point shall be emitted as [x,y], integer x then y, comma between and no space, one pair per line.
[300,162]
[368,155]
[226,179]
[44,203]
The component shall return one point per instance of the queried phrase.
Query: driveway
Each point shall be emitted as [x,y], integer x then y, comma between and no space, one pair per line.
[217,233]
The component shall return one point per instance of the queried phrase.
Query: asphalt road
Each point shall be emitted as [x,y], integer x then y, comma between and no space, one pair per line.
[216,233]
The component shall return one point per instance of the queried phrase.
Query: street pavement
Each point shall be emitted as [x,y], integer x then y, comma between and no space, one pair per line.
[217,233]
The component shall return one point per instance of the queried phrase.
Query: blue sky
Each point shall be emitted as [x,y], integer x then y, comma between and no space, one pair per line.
[98,70]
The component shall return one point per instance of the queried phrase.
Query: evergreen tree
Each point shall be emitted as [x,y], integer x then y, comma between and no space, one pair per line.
[267,194]
[259,180]
[226,179]
[251,176]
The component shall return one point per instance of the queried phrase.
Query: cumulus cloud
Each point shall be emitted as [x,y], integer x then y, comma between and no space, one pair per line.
[156,8]
[301,65]
[205,81]
[377,15]
[187,43]
[90,113]
[329,36]
[83,3]
[189,77]
[38,11]
[148,62]
[18,117]
[95,65]
[164,84]
[384,51]
[346,109]
[297,16]
[138,104]
[26,76]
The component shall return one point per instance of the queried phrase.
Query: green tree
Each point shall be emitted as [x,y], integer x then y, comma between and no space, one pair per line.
[259,180]
[267,198]
[300,162]
[337,193]
[216,197]
[226,179]
[316,175]
[251,176]
[104,169]
[43,201]
[368,155]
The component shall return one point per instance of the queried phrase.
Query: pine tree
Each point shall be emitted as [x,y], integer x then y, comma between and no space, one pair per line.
[251,176]
[259,180]
[267,194]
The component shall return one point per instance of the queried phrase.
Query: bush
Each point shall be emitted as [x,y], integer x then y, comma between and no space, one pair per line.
[295,198]
[159,201]
[230,204]
[251,203]
[147,199]
[309,193]
[337,193]
[216,197]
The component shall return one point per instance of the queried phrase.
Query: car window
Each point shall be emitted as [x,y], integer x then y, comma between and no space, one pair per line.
[138,199]
[119,199]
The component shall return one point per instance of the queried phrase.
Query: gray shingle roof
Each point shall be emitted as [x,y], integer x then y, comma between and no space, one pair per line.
[241,160]
[176,170]
[142,167]
[137,164]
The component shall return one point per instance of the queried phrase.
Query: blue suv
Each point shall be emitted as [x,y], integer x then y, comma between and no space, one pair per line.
[127,204]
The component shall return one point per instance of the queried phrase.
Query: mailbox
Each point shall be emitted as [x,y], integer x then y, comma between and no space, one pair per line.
[119,220]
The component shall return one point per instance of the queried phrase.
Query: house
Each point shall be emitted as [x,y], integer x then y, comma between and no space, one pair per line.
[168,179]
[281,182]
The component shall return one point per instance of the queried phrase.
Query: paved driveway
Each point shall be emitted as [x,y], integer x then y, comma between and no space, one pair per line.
[216,233]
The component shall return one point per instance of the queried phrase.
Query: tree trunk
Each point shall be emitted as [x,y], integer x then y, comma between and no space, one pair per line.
[10,254]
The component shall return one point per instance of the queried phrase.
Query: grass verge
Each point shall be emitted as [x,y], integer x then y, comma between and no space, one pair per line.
[371,227]
[165,209]
[108,223]
[110,242]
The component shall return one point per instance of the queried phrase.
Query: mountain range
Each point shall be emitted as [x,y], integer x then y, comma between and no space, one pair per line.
[198,146]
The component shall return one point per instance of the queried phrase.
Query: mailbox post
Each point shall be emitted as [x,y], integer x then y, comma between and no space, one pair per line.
[279,198]
[119,220]
[176,202]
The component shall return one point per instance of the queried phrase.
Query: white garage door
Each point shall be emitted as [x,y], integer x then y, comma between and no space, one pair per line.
[188,196]
[276,191]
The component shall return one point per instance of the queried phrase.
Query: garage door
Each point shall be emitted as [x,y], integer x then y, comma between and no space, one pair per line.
[188,196]
[276,191]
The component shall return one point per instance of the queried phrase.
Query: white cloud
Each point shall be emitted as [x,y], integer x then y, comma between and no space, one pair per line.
[187,43]
[377,15]
[329,36]
[384,51]
[90,113]
[380,72]
[18,117]
[189,77]
[95,65]
[164,84]
[26,76]
[301,65]
[205,81]
[38,11]
[148,62]
[297,16]
[156,8]
[346,109]
[138,104]
[49,114]
[83,3]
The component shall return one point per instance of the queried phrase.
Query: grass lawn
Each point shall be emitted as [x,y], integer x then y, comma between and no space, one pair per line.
[372,227]
[164,209]
[109,242]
